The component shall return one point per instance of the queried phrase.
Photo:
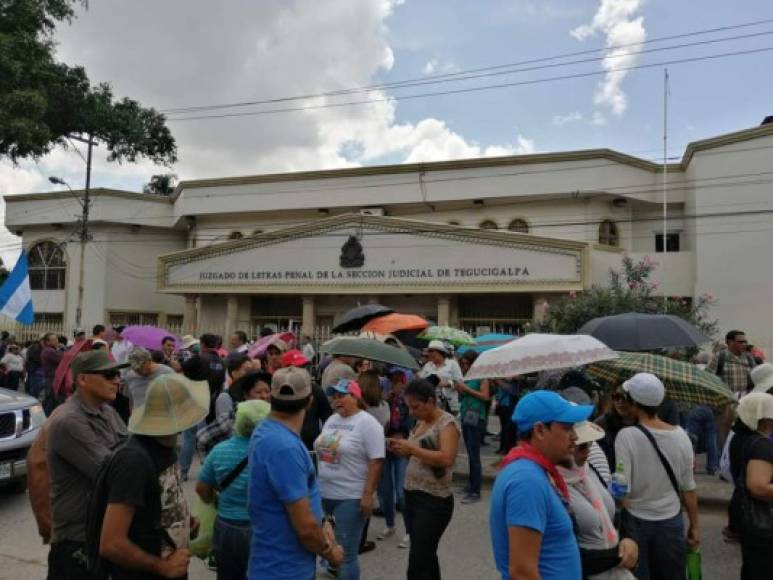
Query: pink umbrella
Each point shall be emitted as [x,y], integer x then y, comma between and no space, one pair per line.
[63,375]
[149,337]
[258,349]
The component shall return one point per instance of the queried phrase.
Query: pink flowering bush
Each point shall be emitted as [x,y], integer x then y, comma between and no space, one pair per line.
[629,290]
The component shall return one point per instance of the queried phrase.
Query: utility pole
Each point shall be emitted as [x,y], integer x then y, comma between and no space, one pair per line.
[84,233]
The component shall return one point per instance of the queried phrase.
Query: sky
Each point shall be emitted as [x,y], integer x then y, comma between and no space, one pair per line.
[188,53]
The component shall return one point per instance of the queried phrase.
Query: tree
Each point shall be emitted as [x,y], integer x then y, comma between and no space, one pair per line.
[629,290]
[161,184]
[43,101]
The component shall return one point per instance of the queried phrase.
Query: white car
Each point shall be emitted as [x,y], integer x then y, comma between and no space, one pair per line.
[20,418]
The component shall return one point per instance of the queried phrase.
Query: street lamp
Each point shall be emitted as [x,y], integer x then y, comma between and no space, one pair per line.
[84,237]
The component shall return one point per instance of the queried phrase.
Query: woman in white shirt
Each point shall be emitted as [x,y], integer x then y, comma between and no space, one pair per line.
[442,364]
[350,451]
[14,367]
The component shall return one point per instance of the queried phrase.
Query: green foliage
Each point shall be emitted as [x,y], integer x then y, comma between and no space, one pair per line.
[629,290]
[161,184]
[43,101]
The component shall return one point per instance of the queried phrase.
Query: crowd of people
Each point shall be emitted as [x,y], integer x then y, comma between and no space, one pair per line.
[299,452]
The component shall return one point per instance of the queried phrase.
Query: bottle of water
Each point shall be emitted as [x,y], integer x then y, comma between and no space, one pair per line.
[618,487]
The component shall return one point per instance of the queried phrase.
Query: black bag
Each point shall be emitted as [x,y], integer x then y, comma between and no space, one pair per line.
[756,515]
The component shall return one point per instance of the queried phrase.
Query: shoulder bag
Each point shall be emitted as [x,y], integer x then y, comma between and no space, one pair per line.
[756,515]
[663,460]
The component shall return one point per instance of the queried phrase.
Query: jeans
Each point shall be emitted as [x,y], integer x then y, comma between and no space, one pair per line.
[472,437]
[349,523]
[426,518]
[390,486]
[67,561]
[231,545]
[702,424]
[187,449]
[662,546]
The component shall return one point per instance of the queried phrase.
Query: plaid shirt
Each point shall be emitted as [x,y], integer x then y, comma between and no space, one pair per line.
[735,372]
[217,431]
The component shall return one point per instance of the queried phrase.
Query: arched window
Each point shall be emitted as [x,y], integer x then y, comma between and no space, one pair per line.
[608,235]
[235,236]
[519,225]
[488,225]
[47,268]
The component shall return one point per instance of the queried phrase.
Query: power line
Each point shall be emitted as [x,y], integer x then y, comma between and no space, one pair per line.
[465,75]
[477,88]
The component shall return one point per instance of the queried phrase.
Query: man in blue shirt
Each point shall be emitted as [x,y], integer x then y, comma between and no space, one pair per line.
[531,529]
[285,507]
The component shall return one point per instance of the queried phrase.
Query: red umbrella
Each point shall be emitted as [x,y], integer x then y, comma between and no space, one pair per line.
[395,322]
[63,375]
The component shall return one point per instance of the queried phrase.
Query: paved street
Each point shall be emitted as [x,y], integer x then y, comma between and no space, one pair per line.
[465,552]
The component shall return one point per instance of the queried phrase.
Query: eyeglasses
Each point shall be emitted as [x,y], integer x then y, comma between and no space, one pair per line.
[108,375]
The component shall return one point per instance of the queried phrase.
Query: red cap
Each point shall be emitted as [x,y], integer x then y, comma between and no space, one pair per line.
[294,358]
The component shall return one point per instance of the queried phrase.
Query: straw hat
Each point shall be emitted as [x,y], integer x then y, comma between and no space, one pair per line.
[173,403]
[753,408]
[762,377]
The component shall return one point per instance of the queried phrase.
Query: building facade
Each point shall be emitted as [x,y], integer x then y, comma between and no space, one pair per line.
[480,243]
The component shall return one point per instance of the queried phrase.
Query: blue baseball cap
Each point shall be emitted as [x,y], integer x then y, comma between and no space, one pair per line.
[547,406]
[398,369]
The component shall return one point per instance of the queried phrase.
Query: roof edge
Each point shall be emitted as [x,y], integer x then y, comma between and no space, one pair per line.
[725,139]
[94,192]
[472,163]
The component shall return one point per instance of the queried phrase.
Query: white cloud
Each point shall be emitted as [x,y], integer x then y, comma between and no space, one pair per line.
[619,21]
[598,119]
[192,53]
[433,66]
[561,120]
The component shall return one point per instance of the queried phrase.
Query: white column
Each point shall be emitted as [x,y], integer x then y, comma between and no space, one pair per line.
[231,315]
[444,310]
[190,322]
[309,316]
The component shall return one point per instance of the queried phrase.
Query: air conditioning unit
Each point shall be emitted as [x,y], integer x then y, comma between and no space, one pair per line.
[373,211]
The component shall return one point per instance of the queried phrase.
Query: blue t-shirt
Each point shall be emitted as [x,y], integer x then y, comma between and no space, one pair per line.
[224,457]
[281,472]
[524,497]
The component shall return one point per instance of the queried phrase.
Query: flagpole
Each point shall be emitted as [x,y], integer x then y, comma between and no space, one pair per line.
[665,189]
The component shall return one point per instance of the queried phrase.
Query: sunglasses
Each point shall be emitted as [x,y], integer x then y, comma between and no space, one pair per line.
[108,375]
[583,446]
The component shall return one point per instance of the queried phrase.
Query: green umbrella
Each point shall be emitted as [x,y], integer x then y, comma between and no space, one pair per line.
[370,349]
[447,334]
[684,381]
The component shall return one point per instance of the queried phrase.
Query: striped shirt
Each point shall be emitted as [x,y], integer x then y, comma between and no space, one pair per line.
[224,457]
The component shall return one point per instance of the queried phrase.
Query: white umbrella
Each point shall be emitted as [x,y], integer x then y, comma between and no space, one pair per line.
[539,352]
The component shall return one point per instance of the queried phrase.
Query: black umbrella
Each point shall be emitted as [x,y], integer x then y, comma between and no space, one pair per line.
[636,332]
[356,318]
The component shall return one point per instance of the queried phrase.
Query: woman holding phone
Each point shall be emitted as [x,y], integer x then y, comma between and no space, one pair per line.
[429,501]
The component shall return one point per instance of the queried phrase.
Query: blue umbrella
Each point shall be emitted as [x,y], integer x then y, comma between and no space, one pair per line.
[487,342]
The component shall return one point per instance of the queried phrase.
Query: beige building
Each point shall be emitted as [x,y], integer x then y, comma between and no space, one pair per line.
[479,243]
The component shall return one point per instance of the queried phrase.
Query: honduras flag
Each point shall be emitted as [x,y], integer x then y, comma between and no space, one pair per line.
[15,294]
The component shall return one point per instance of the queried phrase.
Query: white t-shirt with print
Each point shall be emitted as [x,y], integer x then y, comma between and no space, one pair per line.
[344,449]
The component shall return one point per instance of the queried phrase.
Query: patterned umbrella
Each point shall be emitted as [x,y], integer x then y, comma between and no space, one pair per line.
[684,381]
[259,347]
[447,334]
[538,352]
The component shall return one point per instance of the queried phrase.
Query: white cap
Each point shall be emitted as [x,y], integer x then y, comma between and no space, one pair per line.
[645,389]
[438,345]
[587,432]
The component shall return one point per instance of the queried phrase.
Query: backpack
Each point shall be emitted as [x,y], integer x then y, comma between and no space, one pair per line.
[98,567]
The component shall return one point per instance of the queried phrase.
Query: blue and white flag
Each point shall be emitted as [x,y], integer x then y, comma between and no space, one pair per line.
[15,294]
